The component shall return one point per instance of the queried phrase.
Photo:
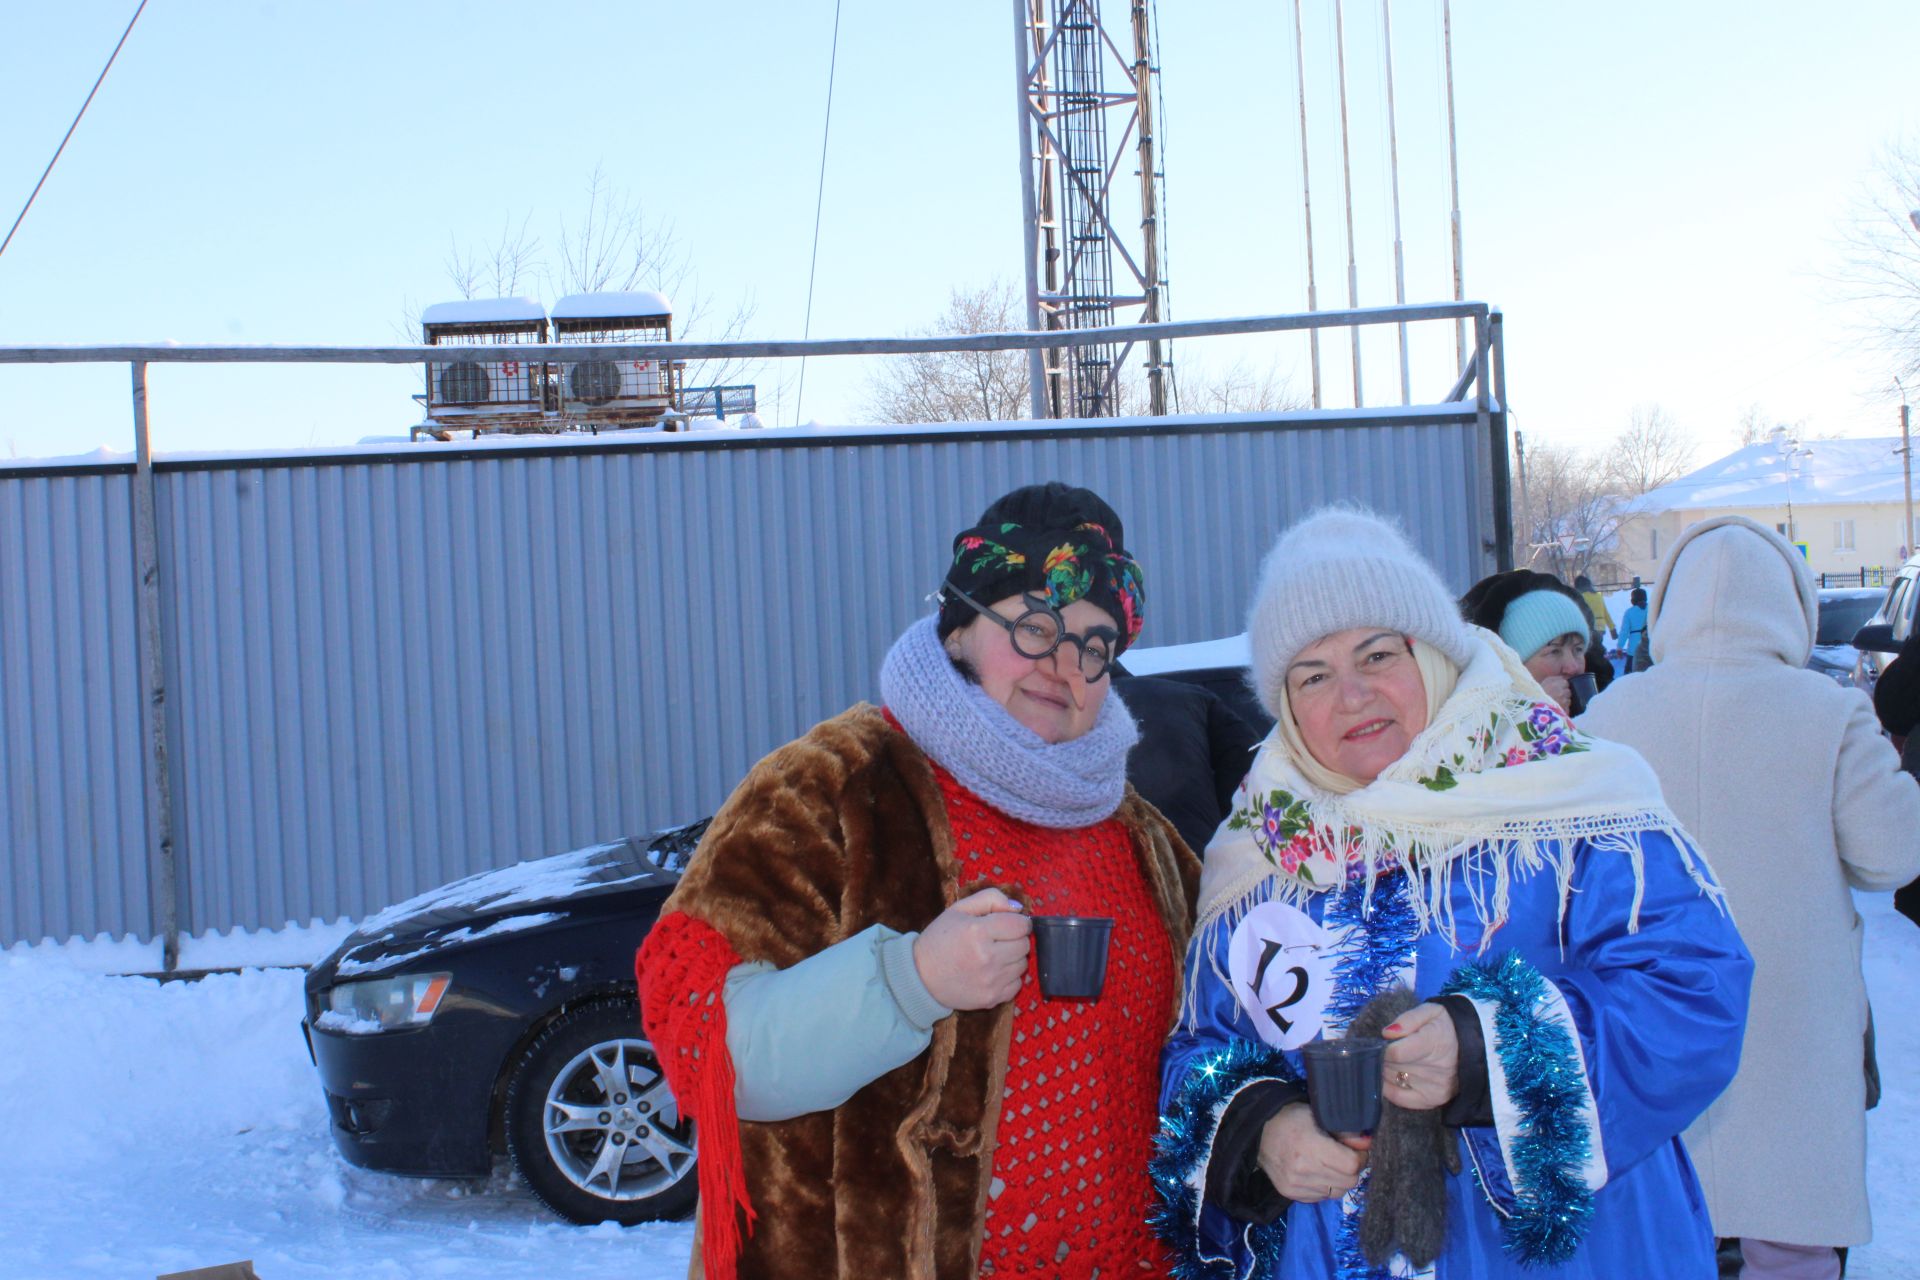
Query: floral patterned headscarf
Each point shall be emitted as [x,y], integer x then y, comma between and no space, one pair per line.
[1060,565]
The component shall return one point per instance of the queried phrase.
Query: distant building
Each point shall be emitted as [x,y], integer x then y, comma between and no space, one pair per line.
[1847,500]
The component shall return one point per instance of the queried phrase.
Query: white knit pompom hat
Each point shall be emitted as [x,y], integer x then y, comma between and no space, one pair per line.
[1339,568]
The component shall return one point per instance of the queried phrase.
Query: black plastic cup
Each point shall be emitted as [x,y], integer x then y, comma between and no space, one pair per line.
[1584,689]
[1343,1082]
[1072,951]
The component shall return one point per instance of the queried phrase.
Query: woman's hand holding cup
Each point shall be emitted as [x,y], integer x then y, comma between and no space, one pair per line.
[1303,1162]
[1423,1059]
[974,954]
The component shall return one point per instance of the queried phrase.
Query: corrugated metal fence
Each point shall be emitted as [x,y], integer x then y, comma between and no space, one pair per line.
[388,670]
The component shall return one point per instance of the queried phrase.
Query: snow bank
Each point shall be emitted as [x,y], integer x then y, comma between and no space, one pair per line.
[155,1127]
[234,949]
[1892,962]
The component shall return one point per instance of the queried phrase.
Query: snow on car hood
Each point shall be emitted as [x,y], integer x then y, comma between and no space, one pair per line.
[352,965]
[494,902]
[594,869]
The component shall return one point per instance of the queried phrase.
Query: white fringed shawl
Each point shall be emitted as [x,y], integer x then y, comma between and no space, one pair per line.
[1500,769]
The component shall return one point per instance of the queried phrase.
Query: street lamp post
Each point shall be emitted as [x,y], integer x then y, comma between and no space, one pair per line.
[1906,467]
[1906,458]
[1791,451]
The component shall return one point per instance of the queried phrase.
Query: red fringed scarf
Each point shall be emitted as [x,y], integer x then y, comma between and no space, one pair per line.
[682,969]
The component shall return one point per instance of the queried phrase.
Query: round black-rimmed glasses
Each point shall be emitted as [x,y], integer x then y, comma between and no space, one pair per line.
[1038,631]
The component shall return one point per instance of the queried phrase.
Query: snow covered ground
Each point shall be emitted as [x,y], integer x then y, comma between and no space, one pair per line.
[149,1127]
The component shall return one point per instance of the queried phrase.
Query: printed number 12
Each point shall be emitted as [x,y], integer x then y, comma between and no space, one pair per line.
[1296,972]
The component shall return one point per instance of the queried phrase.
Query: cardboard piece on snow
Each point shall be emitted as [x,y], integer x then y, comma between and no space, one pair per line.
[225,1271]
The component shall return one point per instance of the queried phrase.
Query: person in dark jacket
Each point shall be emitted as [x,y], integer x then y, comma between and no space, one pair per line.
[1896,694]
[1192,753]
[1896,701]
[1547,623]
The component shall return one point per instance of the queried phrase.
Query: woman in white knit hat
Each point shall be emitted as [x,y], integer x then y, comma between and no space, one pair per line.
[1425,850]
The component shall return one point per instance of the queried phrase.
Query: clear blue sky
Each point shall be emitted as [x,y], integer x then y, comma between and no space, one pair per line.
[1651,195]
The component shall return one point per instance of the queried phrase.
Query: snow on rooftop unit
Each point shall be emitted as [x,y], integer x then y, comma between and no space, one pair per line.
[483,311]
[612,305]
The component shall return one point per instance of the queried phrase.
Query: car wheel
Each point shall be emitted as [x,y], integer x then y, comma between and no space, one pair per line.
[591,1125]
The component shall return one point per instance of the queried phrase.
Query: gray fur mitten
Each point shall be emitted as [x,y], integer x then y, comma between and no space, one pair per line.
[1412,1154]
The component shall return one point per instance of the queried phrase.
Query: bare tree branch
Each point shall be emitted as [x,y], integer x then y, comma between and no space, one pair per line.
[989,386]
[615,247]
[958,386]
[1753,426]
[502,269]
[1240,388]
[1567,522]
[1650,452]
[1571,503]
[1880,250]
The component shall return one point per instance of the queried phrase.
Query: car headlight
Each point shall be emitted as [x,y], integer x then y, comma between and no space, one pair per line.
[383,1004]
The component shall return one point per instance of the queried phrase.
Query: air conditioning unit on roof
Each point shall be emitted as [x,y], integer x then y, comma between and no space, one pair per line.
[605,390]
[491,392]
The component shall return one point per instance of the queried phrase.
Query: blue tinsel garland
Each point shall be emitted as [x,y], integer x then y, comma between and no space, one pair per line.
[1371,959]
[1374,954]
[1544,1078]
[1182,1146]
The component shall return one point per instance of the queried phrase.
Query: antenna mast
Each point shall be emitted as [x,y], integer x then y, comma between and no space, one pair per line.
[1067,172]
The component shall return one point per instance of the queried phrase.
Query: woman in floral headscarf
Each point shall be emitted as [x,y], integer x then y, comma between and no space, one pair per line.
[840,989]
[1427,851]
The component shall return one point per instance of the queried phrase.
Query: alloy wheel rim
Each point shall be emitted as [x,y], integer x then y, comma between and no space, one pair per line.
[612,1126]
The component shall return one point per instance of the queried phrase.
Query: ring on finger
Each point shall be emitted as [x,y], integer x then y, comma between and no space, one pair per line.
[1402,1079]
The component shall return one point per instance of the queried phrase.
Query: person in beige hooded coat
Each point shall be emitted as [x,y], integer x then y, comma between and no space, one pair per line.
[1783,778]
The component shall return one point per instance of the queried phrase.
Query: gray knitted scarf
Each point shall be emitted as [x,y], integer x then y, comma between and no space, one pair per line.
[1060,784]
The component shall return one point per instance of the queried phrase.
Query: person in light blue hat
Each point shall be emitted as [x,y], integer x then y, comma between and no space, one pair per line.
[1546,623]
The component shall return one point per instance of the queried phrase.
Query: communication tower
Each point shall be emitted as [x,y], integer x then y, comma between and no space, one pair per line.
[1074,137]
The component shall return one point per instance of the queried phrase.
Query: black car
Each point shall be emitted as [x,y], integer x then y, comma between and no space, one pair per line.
[498,1014]
[1843,611]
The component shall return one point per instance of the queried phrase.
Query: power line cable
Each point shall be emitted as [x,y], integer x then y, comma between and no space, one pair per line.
[819,198]
[70,128]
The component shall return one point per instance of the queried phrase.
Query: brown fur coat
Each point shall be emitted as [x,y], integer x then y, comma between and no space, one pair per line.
[833,833]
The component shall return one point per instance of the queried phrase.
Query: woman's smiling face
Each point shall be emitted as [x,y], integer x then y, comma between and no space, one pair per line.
[1048,695]
[1358,699]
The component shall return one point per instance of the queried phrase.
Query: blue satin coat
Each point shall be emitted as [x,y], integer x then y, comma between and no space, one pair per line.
[1660,1013]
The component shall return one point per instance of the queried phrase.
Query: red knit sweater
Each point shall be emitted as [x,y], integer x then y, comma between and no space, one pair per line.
[1070,1192]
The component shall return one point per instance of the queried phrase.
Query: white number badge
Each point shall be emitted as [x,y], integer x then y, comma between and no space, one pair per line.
[1281,966]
